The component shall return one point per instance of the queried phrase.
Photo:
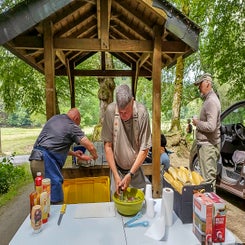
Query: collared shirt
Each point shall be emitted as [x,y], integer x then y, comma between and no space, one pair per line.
[144,131]
[57,135]
[208,127]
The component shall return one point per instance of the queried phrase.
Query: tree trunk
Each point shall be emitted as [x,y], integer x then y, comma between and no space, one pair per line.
[105,95]
[178,84]
[178,88]
[0,141]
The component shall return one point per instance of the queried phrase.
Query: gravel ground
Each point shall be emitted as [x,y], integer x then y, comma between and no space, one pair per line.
[14,213]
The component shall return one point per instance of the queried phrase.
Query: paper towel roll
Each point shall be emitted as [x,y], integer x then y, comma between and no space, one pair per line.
[150,212]
[167,205]
[148,191]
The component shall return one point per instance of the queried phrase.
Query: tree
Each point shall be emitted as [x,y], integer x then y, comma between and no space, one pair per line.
[178,88]
[223,51]
[20,84]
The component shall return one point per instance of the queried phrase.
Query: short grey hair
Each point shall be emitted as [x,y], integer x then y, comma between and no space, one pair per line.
[123,96]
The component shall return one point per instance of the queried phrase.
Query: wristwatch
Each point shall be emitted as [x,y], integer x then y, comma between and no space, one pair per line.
[131,174]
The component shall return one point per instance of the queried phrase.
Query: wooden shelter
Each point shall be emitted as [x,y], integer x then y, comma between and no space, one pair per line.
[55,36]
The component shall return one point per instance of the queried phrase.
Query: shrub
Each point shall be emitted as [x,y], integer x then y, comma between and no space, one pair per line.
[10,174]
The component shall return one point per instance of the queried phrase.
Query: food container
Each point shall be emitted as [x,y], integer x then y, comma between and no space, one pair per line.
[131,203]
[209,217]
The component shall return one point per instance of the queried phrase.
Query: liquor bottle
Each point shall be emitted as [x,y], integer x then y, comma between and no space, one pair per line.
[34,200]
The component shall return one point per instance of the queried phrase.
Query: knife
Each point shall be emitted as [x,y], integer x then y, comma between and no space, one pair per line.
[62,211]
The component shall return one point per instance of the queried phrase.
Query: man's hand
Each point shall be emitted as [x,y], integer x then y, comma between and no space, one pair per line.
[89,146]
[93,152]
[124,184]
[195,120]
[79,154]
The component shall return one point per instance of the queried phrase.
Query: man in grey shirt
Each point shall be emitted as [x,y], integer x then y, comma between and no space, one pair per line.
[53,145]
[208,129]
[127,138]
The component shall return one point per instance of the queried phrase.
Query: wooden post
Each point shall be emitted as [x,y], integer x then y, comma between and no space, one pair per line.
[156,115]
[49,68]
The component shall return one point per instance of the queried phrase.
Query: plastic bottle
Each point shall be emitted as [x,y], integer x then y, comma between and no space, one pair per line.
[36,218]
[46,183]
[34,200]
[44,205]
[38,183]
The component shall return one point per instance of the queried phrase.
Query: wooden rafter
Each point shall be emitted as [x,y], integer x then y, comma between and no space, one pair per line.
[104,16]
[119,45]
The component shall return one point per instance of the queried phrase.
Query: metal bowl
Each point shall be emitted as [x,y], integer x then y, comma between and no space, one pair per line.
[131,203]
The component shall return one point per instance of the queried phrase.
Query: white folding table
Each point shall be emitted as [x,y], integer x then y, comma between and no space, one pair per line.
[106,230]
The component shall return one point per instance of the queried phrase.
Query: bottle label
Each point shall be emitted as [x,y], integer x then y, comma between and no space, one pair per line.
[36,218]
[45,206]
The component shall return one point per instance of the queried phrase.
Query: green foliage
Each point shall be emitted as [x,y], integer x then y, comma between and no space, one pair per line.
[221,53]
[20,118]
[10,175]
[14,189]
[86,89]
[20,85]
[6,4]
[224,52]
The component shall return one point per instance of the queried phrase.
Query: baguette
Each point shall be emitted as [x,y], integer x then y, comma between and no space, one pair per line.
[197,179]
[173,172]
[168,177]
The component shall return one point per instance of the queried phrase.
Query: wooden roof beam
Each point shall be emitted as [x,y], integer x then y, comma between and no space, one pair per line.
[73,26]
[93,44]
[139,63]
[144,57]
[117,45]
[130,30]
[103,73]
[130,16]
[103,19]
[60,54]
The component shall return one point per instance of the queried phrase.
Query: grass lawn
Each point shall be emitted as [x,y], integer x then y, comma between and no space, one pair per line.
[21,140]
[18,140]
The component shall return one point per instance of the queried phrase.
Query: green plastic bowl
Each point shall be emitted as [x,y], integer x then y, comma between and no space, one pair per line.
[132,201]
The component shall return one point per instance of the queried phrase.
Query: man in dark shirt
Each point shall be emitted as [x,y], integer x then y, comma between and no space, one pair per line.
[53,145]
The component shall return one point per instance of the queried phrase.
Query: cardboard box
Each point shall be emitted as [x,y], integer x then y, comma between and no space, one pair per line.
[209,217]
[219,217]
[183,203]
[202,218]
